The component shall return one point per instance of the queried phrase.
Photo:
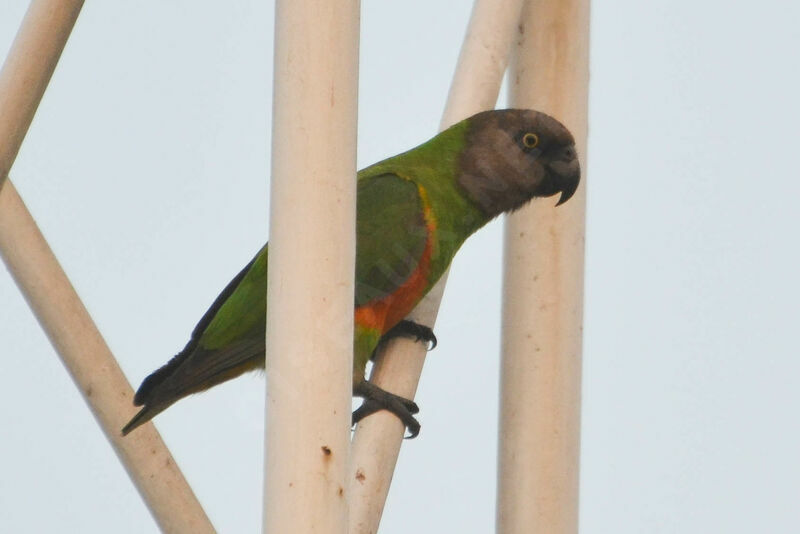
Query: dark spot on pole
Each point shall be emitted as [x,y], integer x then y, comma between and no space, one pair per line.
[360,476]
[326,450]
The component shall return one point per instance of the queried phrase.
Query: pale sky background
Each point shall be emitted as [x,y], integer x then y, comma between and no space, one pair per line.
[147,170]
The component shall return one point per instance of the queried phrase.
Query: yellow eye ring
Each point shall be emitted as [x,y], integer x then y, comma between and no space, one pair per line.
[530,140]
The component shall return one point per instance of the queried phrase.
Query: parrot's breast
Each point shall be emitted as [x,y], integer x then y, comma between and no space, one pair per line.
[382,314]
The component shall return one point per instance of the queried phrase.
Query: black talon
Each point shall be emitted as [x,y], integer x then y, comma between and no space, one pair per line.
[407,328]
[377,399]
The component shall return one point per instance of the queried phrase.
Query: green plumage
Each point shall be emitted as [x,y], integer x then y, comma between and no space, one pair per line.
[413,213]
[381,269]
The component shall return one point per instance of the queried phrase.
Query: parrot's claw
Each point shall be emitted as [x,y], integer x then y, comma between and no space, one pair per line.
[410,329]
[377,399]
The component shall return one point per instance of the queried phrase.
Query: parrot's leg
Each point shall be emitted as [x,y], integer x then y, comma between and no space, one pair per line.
[410,329]
[377,399]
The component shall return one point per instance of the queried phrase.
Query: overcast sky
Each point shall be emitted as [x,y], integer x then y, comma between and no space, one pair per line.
[147,170]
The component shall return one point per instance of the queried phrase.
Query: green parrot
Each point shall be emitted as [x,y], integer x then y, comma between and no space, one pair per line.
[413,212]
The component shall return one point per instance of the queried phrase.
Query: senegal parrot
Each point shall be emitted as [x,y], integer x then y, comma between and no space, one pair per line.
[413,212]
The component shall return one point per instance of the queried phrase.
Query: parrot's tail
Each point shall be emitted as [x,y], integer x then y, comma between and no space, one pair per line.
[144,415]
[148,393]
[192,373]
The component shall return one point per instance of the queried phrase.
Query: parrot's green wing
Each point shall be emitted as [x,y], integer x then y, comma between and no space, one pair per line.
[242,312]
[390,234]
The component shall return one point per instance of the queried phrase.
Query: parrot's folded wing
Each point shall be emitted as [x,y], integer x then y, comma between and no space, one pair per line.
[391,235]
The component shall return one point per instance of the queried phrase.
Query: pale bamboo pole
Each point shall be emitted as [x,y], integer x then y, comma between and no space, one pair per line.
[311,265]
[543,292]
[23,80]
[93,369]
[377,440]
[27,70]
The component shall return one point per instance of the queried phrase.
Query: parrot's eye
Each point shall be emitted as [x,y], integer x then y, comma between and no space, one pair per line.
[530,140]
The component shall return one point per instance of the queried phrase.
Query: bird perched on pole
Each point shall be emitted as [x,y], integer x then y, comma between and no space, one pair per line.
[413,212]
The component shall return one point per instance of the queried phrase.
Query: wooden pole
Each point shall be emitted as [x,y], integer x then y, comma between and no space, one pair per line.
[376,444]
[93,368]
[23,80]
[311,265]
[27,70]
[543,291]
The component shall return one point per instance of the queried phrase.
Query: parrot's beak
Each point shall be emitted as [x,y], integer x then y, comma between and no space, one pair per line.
[567,173]
[571,182]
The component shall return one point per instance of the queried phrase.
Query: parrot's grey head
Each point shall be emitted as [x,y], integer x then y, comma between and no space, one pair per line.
[513,155]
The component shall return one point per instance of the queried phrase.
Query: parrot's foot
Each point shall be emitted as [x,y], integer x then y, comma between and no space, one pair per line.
[410,329]
[377,399]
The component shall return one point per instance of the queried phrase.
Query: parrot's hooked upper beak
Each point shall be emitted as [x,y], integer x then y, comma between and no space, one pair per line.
[566,172]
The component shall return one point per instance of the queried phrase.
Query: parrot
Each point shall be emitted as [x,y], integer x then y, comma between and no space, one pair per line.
[413,212]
